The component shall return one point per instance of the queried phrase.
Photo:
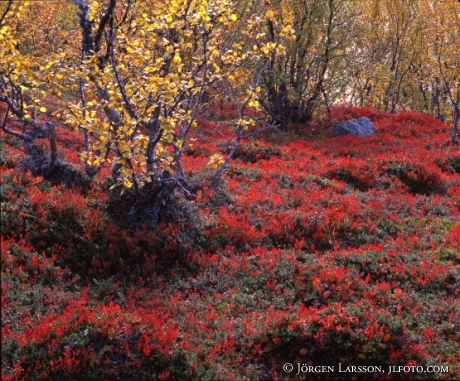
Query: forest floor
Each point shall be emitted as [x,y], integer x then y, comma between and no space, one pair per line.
[337,255]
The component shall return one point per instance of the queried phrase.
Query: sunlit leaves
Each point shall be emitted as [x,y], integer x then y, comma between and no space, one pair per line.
[216,161]
[163,62]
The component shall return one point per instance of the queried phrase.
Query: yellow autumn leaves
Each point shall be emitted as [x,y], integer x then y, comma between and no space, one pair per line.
[137,97]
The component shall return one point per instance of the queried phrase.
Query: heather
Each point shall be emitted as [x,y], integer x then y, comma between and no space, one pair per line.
[314,249]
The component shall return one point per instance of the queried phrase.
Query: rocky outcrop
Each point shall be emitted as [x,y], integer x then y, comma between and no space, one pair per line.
[359,127]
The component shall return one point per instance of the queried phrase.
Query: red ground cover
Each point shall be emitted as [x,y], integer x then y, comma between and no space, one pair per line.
[317,250]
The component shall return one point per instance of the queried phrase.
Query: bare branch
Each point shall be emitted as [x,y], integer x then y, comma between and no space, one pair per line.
[104,20]
[7,9]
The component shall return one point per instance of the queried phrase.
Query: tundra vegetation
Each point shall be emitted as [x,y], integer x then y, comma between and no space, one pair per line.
[175,206]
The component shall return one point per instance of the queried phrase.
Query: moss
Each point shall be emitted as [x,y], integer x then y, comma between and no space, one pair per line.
[244,173]
[63,173]
[447,255]
[436,226]
[252,153]
[345,175]
[417,178]
[450,164]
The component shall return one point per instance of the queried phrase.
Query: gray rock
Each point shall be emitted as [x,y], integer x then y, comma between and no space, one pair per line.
[359,127]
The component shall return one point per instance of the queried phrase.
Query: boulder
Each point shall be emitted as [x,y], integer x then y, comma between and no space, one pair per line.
[359,127]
